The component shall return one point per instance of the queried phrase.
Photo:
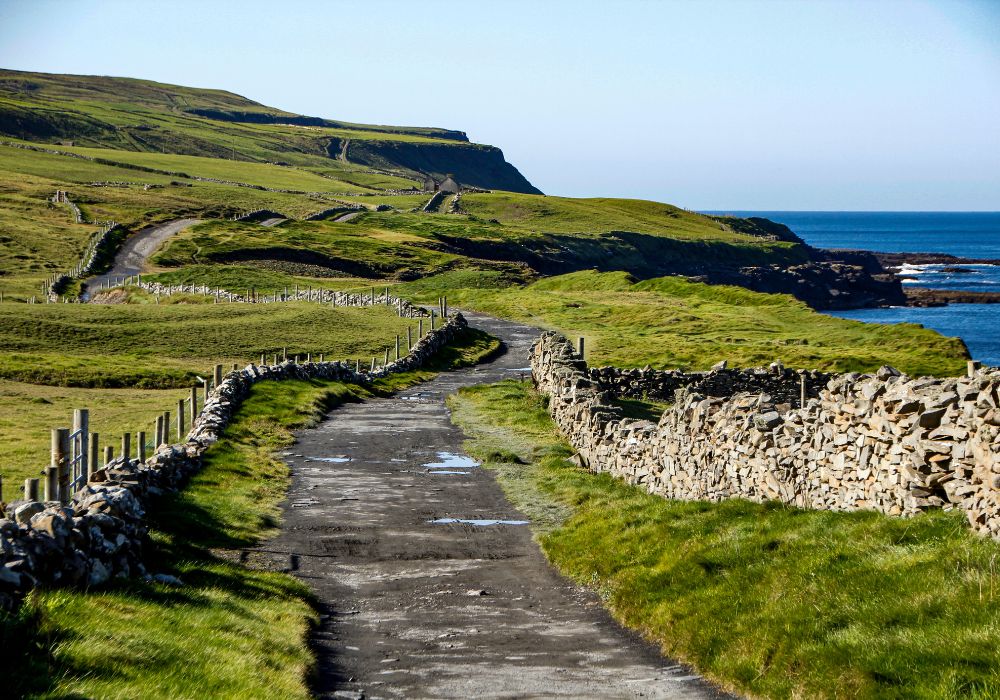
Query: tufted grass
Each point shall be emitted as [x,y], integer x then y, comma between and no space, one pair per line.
[166,345]
[767,600]
[230,631]
[129,363]
[669,322]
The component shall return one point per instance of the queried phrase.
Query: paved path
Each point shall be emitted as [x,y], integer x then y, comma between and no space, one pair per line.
[413,608]
[349,216]
[273,221]
[131,259]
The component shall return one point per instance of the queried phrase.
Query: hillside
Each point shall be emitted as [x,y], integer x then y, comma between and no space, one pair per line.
[141,115]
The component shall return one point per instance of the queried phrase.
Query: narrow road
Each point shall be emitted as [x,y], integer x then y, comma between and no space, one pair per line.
[274,221]
[131,259]
[349,216]
[417,603]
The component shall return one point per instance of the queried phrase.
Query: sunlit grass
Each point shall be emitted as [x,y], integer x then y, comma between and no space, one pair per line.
[766,599]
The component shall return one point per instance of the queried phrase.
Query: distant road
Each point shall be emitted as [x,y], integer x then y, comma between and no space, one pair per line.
[344,218]
[131,259]
[273,221]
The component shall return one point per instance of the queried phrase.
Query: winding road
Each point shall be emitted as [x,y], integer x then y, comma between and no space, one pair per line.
[131,259]
[429,580]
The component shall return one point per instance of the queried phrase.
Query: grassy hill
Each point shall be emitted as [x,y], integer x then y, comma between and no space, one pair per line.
[141,115]
[670,322]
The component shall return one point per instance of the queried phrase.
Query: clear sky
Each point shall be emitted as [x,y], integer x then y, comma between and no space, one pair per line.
[705,104]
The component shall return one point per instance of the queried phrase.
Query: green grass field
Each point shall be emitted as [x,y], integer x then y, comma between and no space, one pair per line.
[128,363]
[230,631]
[329,179]
[767,600]
[670,322]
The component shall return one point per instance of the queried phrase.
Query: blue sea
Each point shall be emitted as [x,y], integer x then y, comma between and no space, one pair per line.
[965,234]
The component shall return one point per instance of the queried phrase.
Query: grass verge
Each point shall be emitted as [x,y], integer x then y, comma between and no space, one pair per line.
[670,322]
[767,600]
[229,632]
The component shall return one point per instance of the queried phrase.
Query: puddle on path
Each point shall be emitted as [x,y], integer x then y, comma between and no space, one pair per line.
[450,460]
[481,523]
[447,471]
[331,460]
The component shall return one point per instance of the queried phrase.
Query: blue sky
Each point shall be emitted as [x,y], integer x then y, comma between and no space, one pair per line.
[708,105]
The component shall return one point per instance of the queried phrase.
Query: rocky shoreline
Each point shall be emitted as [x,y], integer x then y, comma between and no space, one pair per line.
[889,269]
[924,296]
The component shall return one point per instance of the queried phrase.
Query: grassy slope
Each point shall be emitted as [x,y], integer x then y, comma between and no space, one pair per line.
[230,632]
[669,322]
[159,346]
[139,348]
[516,233]
[768,600]
[337,177]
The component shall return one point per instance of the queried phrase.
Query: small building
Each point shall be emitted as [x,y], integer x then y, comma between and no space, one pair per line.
[450,185]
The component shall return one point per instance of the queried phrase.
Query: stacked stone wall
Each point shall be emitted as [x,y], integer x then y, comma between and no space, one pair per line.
[884,442]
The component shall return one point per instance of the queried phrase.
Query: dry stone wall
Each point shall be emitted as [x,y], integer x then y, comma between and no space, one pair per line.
[884,442]
[402,307]
[101,533]
[783,385]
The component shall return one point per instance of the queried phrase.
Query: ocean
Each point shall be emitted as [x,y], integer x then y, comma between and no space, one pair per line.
[965,234]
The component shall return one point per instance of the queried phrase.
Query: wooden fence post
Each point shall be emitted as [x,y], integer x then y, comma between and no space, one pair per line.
[81,424]
[322,357]
[166,427]
[582,348]
[409,340]
[373,365]
[397,346]
[194,405]
[140,448]
[31,489]
[109,454]
[284,351]
[95,452]
[126,447]
[60,465]
[802,389]
[51,484]
[386,357]
[218,375]
[420,328]
[159,433]
[432,318]
[180,419]
[387,296]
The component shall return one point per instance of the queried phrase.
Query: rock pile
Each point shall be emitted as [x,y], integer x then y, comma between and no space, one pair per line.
[884,442]
[101,532]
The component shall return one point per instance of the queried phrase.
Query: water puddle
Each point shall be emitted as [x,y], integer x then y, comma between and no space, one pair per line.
[331,460]
[447,471]
[450,460]
[480,523]
[518,369]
